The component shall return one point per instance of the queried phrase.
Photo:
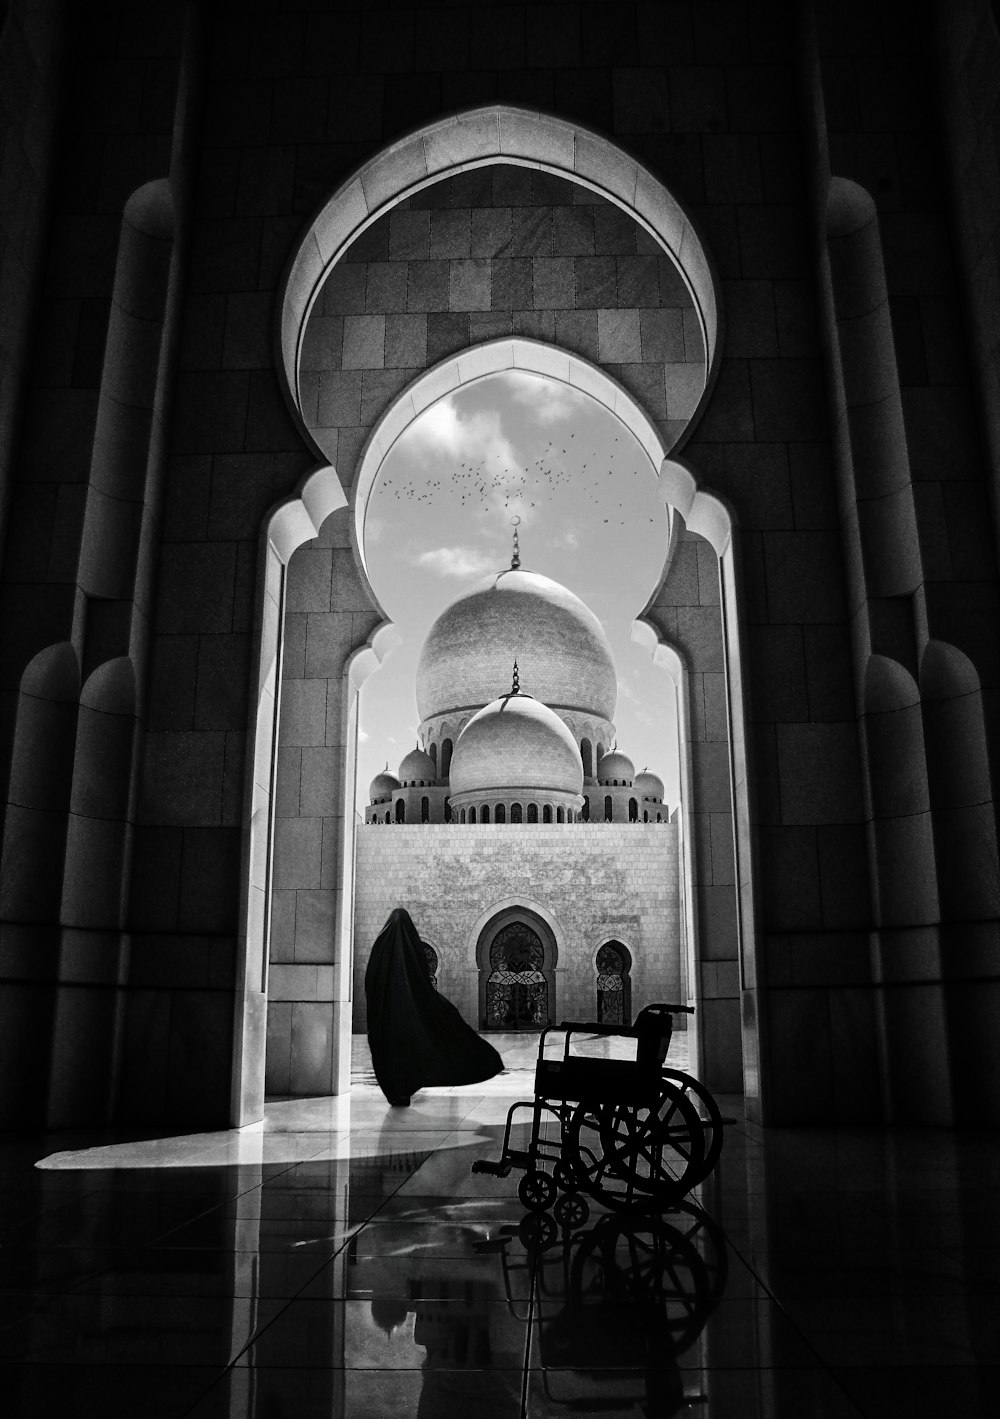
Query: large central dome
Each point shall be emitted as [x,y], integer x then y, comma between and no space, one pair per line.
[558,642]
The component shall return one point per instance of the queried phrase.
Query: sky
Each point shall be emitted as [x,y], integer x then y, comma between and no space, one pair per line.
[440,517]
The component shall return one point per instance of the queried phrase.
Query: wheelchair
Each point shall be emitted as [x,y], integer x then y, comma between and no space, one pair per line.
[627,1131]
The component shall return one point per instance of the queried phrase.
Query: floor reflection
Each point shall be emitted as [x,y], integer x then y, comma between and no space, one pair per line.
[343,1260]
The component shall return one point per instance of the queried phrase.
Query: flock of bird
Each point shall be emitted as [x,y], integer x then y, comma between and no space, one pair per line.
[486,482]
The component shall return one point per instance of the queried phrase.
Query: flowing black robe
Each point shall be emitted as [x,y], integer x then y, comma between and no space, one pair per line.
[417,1037]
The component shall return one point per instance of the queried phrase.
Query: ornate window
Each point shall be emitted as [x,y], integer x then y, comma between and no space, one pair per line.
[547,813]
[472,815]
[425,810]
[499,814]
[608,809]
[515,813]
[613,985]
[484,816]
[532,812]
[560,816]
[400,811]
[517,993]
[633,811]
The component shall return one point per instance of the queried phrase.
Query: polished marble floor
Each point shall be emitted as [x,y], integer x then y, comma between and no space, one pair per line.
[343,1260]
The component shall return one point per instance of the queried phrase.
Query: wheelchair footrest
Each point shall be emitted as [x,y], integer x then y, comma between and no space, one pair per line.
[496,1170]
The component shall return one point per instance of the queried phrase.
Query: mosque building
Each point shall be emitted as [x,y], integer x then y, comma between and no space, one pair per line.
[539,867]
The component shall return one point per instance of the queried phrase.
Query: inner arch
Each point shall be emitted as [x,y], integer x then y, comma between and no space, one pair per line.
[479,363]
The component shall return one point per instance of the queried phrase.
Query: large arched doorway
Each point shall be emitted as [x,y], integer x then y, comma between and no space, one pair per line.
[499,134]
[516,960]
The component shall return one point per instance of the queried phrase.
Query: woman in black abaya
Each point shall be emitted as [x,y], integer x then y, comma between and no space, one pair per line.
[417,1037]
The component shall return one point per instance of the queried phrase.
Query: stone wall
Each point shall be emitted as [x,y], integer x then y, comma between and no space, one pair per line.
[498,251]
[593,882]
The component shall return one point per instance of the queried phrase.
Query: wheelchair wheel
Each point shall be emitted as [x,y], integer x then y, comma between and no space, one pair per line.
[565,1176]
[571,1210]
[536,1191]
[708,1111]
[625,1154]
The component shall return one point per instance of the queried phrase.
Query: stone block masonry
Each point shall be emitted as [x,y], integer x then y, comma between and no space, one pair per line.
[591,882]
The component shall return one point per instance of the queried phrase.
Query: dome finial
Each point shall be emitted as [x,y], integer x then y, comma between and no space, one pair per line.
[515,687]
[515,560]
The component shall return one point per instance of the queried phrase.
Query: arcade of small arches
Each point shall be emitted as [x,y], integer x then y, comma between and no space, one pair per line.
[653,810]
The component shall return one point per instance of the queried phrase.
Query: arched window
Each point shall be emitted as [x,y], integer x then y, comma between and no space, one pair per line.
[645,816]
[500,814]
[547,813]
[446,758]
[633,811]
[560,816]
[484,816]
[472,815]
[587,755]
[532,812]
[462,816]
[608,809]
[614,1004]
[585,811]
[434,754]
[515,813]
[425,810]
[400,810]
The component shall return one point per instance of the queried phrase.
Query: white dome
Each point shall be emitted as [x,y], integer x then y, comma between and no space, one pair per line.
[649,785]
[559,644]
[417,767]
[382,787]
[516,743]
[616,766]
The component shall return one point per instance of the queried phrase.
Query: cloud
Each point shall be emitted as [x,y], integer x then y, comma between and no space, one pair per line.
[456,561]
[625,692]
[444,431]
[549,400]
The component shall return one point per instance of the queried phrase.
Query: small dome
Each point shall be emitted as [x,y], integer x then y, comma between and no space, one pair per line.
[516,743]
[382,787]
[616,766]
[418,767]
[562,648]
[649,785]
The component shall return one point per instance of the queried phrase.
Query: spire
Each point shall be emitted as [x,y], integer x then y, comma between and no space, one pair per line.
[515,688]
[515,560]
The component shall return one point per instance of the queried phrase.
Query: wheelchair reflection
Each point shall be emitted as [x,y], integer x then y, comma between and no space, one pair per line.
[617,1302]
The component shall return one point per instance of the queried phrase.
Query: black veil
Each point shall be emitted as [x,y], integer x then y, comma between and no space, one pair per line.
[417,1037]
